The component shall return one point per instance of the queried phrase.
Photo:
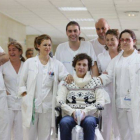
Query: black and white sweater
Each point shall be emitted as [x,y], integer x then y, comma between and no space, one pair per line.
[84,93]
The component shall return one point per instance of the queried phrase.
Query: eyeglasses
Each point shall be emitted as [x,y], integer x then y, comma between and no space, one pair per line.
[127,40]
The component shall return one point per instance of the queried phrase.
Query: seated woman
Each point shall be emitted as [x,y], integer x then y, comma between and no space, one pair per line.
[85,93]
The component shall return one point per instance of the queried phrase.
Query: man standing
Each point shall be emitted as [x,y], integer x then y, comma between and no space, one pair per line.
[29,53]
[101,28]
[66,51]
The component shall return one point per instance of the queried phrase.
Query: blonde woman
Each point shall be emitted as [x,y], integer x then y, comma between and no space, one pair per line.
[11,73]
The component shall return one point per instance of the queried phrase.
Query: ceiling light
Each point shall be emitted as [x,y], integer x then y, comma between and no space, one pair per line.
[135,30]
[87,28]
[131,13]
[72,8]
[82,19]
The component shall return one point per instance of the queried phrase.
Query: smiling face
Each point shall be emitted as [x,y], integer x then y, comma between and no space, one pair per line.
[111,42]
[127,43]
[81,68]
[45,47]
[73,33]
[29,54]
[101,29]
[14,53]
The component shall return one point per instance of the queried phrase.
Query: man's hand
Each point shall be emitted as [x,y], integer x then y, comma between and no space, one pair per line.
[69,79]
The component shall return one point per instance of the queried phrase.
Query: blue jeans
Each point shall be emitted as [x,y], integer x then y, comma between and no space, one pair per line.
[88,124]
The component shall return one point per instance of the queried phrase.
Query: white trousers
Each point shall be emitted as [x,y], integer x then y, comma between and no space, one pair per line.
[15,125]
[125,123]
[107,122]
[4,116]
[41,127]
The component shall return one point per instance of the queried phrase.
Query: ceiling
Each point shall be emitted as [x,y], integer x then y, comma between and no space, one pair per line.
[43,16]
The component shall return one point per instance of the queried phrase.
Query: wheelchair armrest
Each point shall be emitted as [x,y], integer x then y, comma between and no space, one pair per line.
[100,107]
[58,109]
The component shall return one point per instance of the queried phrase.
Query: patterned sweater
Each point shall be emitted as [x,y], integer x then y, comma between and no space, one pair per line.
[84,93]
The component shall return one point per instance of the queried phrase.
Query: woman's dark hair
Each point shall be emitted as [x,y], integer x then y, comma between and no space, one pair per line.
[132,34]
[114,32]
[80,57]
[38,40]
[19,47]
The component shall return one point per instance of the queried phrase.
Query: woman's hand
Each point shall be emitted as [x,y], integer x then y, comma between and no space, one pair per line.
[83,115]
[74,116]
[69,79]
[24,94]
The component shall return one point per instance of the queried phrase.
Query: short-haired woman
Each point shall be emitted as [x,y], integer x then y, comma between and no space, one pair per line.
[84,94]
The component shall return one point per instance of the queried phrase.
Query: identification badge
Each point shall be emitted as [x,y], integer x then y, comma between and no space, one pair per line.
[127,100]
[51,75]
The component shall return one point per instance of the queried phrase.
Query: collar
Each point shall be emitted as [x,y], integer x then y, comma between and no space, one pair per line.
[81,82]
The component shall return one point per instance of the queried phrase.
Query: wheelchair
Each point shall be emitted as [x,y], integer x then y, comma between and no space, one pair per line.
[58,117]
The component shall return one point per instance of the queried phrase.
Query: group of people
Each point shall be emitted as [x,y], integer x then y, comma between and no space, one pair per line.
[104,71]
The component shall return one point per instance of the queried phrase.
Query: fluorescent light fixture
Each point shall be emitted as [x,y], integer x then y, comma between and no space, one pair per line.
[82,19]
[72,8]
[87,28]
[135,30]
[131,13]
[92,35]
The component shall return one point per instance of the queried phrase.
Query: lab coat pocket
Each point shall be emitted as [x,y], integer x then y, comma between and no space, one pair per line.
[10,101]
[49,81]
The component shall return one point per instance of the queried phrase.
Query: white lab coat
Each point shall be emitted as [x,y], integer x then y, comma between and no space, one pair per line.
[4,121]
[103,61]
[134,71]
[28,84]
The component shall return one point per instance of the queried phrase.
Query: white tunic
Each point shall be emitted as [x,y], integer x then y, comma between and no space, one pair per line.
[98,48]
[43,91]
[65,54]
[11,80]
